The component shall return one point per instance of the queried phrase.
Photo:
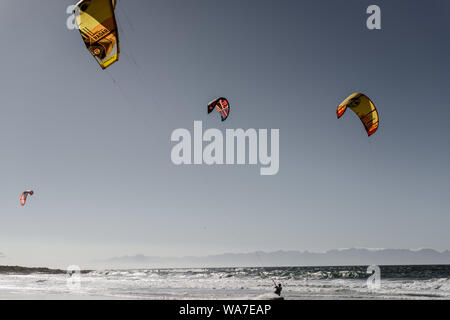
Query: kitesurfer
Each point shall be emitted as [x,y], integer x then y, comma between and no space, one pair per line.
[278,289]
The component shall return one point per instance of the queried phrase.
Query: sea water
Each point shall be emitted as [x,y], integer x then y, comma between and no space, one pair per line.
[397,282]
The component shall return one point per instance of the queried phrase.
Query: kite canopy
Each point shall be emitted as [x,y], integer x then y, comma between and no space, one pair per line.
[222,106]
[24,196]
[364,109]
[98,28]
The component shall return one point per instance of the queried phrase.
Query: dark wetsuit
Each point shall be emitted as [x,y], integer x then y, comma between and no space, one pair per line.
[278,289]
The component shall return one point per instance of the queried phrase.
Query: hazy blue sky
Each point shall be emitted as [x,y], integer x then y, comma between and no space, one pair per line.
[95,145]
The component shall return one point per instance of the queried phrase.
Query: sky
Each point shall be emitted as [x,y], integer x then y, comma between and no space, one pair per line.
[95,145]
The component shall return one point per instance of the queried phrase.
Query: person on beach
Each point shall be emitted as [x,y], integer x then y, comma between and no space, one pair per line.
[278,289]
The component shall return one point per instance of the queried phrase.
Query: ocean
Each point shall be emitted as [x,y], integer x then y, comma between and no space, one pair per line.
[396,282]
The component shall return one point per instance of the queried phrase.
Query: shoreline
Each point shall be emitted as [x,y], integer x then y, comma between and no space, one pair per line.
[33,270]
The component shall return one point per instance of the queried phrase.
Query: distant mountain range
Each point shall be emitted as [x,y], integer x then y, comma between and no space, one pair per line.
[353,256]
